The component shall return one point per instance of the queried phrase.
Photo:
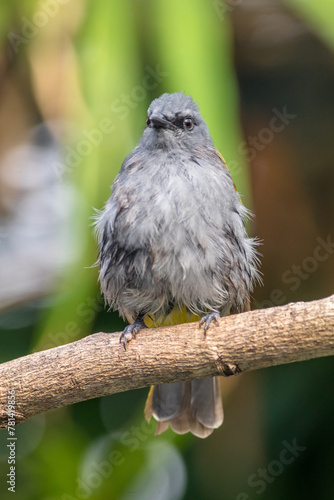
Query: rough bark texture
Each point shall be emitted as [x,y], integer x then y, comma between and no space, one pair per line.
[98,365]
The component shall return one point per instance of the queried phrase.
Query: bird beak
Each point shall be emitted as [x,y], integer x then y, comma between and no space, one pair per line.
[159,121]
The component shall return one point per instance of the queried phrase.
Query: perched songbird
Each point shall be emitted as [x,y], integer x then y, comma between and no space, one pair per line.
[173,248]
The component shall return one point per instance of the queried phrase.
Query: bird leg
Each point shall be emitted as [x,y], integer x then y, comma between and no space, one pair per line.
[131,331]
[206,320]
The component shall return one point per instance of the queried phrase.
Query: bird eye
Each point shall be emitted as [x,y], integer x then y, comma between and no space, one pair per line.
[188,124]
[148,122]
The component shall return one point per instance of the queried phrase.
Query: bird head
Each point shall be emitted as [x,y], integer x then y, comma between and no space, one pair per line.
[174,121]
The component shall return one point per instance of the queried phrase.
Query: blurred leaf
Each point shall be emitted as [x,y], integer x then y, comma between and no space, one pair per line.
[319,15]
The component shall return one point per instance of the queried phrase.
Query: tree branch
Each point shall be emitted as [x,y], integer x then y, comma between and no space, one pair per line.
[98,365]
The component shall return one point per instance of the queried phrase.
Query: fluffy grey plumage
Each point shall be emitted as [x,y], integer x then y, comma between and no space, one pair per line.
[172,232]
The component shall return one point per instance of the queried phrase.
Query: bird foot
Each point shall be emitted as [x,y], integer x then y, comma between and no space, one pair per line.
[131,331]
[206,320]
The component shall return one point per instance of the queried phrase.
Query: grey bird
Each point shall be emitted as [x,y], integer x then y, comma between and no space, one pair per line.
[172,243]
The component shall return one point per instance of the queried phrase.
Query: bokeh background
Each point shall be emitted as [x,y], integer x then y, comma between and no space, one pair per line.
[76,78]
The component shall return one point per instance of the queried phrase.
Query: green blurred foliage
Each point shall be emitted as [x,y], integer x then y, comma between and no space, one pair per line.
[319,15]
